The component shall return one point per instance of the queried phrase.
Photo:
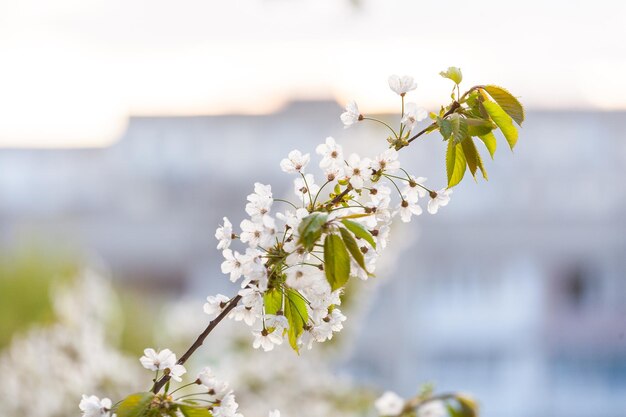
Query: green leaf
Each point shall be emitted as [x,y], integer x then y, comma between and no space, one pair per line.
[135,405]
[194,411]
[490,142]
[473,158]
[503,120]
[355,216]
[353,247]
[296,314]
[455,163]
[359,231]
[273,300]
[310,229]
[445,128]
[469,407]
[471,155]
[459,128]
[478,127]
[453,73]
[336,262]
[508,102]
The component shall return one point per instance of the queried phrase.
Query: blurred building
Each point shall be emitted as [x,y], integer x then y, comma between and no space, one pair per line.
[515,292]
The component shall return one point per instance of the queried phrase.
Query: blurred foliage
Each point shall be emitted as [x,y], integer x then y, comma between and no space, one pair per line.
[139,312]
[25,280]
[27,277]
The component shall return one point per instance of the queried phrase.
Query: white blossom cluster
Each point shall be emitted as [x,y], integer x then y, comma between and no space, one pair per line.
[391,404]
[58,362]
[373,190]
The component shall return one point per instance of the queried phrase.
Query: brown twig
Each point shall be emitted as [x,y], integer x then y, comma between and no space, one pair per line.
[199,341]
[340,196]
[455,105]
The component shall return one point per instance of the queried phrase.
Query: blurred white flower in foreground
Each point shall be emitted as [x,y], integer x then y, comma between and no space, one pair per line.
[389,404]
[432,409]
[94,407]
[61,362]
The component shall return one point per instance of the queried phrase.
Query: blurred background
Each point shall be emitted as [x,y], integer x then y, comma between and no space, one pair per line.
[129,128]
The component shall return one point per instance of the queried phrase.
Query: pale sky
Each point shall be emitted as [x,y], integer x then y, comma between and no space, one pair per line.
[72,71]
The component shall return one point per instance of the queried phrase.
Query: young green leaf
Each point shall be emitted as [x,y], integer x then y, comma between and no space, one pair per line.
[336,261]
[310,229]
[453,73]
[455,163]
[445,128]
[135,405]
[194,411]
[508,102]
[297,316]
[459,127]
[478,127]
[471,155]
[360,231]
[489,140]
[503,120]
[353,247]
[273,301]
[473,158]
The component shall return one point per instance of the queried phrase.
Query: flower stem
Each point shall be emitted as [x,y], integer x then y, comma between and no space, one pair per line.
[381,122]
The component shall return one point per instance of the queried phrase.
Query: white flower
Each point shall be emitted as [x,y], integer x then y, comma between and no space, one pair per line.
[164,360]
[407,209]
[274,413]
[257,233]
[292,219]
[215,304]
[301,276]
[176,372]
[259,202]
[414,189]
[358,171]
[402,85]
[295,162]
[248,315]
[387,161]
[333,172]
[92,406]
[351,115]
[438,199]
[216,389]
[332,153]
[158,361]
[224,234]
[305,186]
[413,115]
[381,235]
[380,194]
[205,376]
[336,319]
[253,267]
[232,264]
[432,409]
[277,321]
[227,407]
[389,404]
[266,340]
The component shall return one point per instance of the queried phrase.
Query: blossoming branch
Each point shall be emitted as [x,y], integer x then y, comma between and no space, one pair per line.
[293,258]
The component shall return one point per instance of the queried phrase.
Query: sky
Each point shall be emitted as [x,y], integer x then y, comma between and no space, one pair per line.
[73,71]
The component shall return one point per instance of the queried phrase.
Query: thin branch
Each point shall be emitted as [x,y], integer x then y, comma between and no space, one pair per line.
[199,341]
[455,105]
